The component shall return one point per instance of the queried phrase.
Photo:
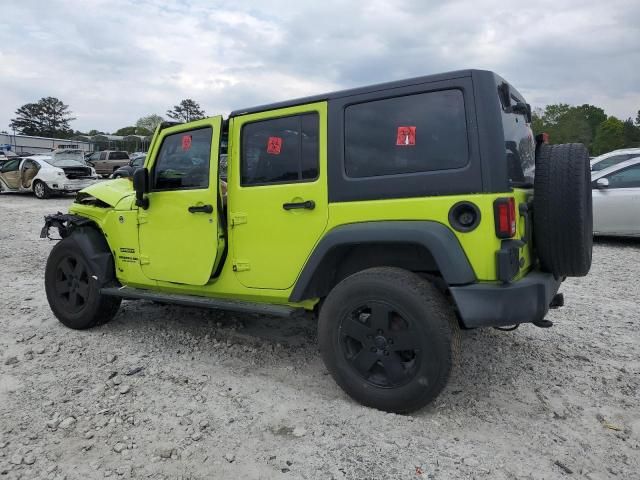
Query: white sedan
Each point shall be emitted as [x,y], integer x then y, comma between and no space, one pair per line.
[616,199]
[44,175]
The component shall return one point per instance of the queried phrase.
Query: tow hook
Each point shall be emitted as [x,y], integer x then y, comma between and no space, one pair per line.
[558,301]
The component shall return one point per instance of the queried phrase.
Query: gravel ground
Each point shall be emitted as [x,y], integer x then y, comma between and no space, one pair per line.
[170,392]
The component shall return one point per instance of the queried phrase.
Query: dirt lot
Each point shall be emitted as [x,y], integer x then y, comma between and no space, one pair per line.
[169,392]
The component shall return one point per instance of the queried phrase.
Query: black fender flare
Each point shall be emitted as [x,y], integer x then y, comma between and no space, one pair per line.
[437,238]
[89,239]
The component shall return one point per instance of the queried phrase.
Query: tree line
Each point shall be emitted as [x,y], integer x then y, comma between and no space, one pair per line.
[51,117]
[588,124]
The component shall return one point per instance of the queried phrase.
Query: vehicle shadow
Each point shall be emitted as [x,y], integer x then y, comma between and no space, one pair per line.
[475,373]
[606,241]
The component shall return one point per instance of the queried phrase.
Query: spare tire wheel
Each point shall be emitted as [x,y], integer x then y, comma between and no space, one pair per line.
[562,209]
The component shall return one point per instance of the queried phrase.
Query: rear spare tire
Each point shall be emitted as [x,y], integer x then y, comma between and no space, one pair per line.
[562,209]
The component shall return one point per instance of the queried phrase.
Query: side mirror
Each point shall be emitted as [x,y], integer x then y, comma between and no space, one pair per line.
[141,186]
[602,183]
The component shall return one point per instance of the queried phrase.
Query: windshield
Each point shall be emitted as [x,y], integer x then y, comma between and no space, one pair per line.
[597,165]
[520,147]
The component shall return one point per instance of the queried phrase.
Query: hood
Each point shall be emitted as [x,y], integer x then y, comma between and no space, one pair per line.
[110,191]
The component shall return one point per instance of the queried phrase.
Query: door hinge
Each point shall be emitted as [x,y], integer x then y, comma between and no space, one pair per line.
[144,260]
[142,218]
[241,266]
[238,219]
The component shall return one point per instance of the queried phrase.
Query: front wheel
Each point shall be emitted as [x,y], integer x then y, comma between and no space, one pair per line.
[386,337]
[72,291]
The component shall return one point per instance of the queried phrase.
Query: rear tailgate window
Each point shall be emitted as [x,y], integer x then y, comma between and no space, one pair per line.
[520,145]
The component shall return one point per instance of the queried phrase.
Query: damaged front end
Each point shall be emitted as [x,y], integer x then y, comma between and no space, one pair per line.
[64,222]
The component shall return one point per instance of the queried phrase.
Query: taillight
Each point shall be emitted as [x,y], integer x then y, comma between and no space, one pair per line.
[505,217]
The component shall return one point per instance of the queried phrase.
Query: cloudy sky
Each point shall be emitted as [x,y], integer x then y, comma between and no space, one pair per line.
[117,60]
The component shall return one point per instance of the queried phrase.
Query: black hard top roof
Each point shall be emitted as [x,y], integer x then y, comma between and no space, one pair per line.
[356,91]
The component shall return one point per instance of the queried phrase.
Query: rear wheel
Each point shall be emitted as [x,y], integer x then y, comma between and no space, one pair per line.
[386,335]
[40,190]
[72,291]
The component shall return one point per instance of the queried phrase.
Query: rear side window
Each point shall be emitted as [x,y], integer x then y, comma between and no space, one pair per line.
[414,133]
[183,161]
[280,150]
[119,156]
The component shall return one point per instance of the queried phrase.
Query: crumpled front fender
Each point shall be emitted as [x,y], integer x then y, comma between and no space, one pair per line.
[64,222]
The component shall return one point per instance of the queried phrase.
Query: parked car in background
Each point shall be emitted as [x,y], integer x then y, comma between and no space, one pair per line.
[44,175]
[612,158]
[616,199]
[223,167]
[108,161]
[127,170]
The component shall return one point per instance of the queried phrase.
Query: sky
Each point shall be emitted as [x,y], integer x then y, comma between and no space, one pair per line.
[115,61]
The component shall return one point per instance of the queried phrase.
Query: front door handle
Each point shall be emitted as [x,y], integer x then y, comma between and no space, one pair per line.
[309,205]
[201,209]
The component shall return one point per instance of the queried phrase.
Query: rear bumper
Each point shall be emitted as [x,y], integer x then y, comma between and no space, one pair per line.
[499,305]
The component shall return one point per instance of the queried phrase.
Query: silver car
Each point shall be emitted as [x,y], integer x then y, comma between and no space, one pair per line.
[616,199]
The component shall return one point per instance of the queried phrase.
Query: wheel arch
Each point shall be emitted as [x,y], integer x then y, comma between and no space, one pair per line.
[413,245]
[89,238]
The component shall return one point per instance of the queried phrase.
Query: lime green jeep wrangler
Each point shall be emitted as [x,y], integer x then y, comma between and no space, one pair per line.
[397,213]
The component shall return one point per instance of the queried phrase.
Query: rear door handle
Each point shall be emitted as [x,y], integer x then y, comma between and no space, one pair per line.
[309,205]
[201,209]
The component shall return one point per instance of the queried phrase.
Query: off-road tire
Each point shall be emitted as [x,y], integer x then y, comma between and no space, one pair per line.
[430,319]
[94,309]
[562,209]
[41,190]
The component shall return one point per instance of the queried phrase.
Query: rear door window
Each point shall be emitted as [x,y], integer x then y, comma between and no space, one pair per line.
[414,133]
[280,150]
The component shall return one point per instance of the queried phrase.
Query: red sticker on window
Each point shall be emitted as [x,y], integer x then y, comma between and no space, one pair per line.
[274,145]
[186,142]
[406,136]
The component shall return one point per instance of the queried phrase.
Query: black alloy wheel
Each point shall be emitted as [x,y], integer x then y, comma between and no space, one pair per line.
[388,338]
[380,344]
[73,288]
[72,283]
